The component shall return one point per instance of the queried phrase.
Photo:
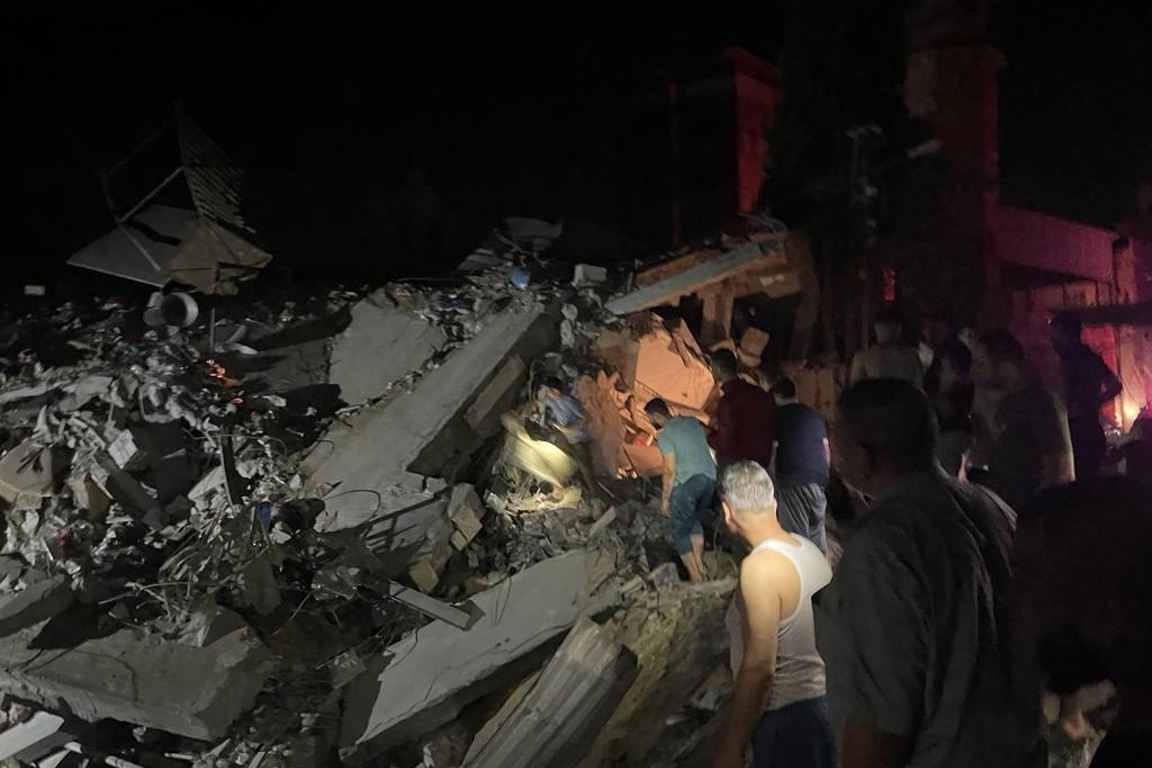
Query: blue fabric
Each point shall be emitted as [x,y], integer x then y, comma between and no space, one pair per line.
[800,459]
[688,505]
[565,412]
[685,437]
[795,736]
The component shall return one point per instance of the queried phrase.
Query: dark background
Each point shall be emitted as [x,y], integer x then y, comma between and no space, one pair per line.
[506,112]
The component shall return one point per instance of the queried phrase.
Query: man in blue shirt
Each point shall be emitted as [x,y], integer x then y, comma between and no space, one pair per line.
[689,481]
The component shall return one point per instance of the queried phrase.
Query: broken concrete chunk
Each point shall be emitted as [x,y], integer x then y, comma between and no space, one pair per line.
[259,587]
[423,575]
[39,602]
[382,345]
[429,606]
[587,274]
[467,513]
[28,740]
[208,623]
[29,473]
[125,452]
[665,576]
[405,699]
[375,455]
[602,524]
[193,692]
[572,699]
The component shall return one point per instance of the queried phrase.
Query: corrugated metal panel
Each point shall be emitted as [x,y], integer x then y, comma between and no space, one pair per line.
[142,249]
[572,699]
[214,181]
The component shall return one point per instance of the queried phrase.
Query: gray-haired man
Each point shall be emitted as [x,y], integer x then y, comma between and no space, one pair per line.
[778,706]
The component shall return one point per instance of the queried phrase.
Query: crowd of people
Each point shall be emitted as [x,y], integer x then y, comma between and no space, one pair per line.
[987,557]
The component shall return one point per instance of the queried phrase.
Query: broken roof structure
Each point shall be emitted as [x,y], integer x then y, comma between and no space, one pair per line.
[175,201]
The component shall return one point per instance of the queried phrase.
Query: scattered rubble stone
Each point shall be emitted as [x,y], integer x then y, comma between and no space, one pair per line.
[301,478]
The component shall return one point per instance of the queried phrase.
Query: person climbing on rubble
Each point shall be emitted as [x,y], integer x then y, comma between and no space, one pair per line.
[688,482]
[1028,447]
[778,708]
[1088,385]
[564,415]
[742,424]
[889,357]
[801,465]
[913,625]
[1082,564]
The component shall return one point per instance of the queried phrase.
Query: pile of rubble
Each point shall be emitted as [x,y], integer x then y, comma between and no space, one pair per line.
[292,534]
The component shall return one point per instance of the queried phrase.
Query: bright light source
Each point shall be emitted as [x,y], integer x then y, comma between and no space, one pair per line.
[539,458]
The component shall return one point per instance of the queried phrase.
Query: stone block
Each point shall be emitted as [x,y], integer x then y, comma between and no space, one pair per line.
[467,514]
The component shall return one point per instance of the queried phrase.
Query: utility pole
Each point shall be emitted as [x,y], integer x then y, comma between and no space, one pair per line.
[866,140]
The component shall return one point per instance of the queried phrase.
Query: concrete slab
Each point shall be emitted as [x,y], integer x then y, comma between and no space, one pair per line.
[696,277]
[369,462]
[439,668]
[574,696]
[193,692]
[383,344]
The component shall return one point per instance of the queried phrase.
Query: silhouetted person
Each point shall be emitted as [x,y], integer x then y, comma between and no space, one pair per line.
[1028,448]
[742,424]
[949,385]
[889,357]
[801,465]
[911,627]
[1081,606]
[1088,384]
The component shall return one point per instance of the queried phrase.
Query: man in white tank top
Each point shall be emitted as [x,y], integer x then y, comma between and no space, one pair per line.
[778,708]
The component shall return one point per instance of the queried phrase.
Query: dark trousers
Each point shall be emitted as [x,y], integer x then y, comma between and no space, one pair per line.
[796,736]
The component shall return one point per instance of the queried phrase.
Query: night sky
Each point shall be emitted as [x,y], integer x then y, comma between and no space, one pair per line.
[508,113]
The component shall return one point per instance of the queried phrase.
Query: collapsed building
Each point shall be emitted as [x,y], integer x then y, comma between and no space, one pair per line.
[296,533]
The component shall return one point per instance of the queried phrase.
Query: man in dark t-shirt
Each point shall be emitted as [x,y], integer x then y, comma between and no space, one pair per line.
[801,465]
[1088,384]
[742,426]
[1030,447]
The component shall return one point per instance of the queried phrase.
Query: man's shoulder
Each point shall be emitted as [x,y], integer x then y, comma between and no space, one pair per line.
[763,570]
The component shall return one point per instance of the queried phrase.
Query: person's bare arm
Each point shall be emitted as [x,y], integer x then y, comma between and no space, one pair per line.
[866,746]
[667,479]
[827,452]
[761,617]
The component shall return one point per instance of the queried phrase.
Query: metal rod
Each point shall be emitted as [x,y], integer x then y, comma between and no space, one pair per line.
[148,197]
